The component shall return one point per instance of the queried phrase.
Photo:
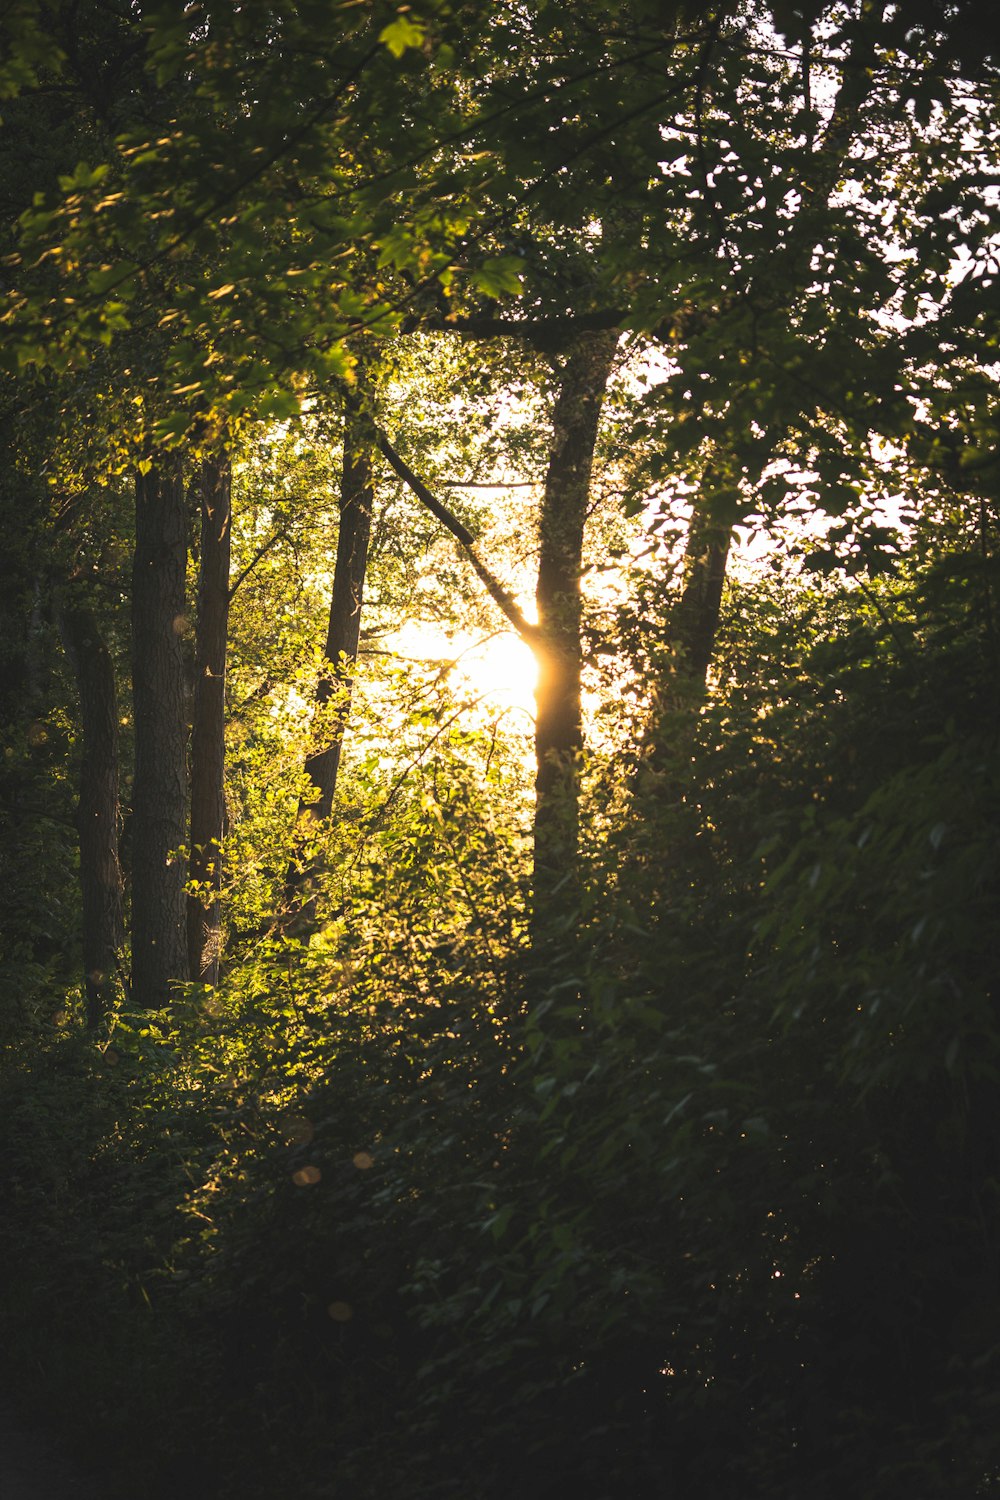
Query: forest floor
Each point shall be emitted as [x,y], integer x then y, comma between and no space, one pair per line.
[34,1467]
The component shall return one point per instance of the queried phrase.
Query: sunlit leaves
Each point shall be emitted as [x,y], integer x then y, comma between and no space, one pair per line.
[401,34]
[276,203]
[27,47]
[498,275]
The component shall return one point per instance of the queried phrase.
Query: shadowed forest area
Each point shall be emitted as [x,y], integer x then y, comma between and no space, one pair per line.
[499,777]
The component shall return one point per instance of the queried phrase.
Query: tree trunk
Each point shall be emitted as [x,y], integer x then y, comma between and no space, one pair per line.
[706,558]
[208,722]
[333,694]
[98,816]
[558,724]
[344,630]
[159,791]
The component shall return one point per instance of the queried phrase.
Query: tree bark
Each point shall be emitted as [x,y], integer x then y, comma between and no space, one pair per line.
[705,562]
[159,791]
[208,722]
[98,814]
[335,688]
[583,378]
[344,629]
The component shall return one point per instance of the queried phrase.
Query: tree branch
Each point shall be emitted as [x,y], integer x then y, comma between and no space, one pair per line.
[492,484]
[540,329]
[502,597]
[258,556]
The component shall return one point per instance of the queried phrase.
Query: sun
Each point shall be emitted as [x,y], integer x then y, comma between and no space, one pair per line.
[494,674]
[502,670]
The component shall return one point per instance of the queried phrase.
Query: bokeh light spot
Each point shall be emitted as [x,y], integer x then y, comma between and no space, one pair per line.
[306,1176]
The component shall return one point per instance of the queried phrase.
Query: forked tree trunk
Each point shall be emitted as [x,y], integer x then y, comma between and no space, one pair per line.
[208,721]
[159,791]
[98,814]
[583,379]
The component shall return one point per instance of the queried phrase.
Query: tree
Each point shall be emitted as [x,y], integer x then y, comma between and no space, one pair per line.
[208,720]
[344,629]
[728,1162]
[582,378]
[98,815]
[160,702]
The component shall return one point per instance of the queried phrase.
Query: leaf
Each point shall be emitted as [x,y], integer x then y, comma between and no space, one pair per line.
[836,499]
[497,1223]
[84,177]
[401,34]
[498,275]
[172,429]
[278,405]
[112,276]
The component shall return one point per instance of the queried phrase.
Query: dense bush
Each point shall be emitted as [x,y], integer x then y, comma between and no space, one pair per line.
[702,1196]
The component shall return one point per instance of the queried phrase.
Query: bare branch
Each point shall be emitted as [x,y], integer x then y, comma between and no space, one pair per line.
[501,596]
[492,484]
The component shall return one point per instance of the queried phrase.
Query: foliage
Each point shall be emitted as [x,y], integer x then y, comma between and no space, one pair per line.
[700,1192]
[733,1169]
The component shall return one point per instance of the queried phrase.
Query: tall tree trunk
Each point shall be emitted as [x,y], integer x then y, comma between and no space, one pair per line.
[159,792]
[344,630]
[333,695]
[583,378]
[706,558]
[208,721]
[97,816]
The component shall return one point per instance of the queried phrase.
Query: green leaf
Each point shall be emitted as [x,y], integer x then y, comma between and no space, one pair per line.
[497,1223]
[108,277]
[401,34]
[84,177]
[278,405]
[498,275]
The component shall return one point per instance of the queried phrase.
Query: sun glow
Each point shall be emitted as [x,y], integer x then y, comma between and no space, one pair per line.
[494,673]
[503,671]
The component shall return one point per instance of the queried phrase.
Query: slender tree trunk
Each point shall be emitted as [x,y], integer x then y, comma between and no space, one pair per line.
[706,558]
[344,630]
[159,792]
[208,721]
[98,815]
[558,724]
[333,695]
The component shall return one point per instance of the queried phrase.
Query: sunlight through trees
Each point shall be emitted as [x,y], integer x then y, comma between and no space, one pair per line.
[498,668]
